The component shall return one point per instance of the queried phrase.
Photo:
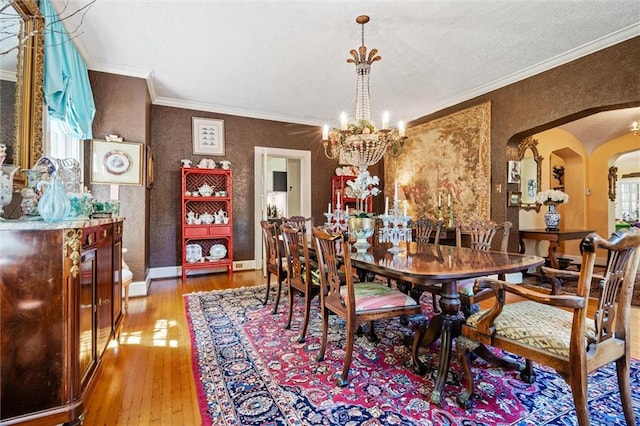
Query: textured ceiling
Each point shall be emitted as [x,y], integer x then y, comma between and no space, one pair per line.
[286,61]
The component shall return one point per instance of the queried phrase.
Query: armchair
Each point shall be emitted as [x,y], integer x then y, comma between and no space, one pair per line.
[556,330]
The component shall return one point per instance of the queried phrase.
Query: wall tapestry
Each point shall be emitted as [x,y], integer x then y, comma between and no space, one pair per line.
[445,162]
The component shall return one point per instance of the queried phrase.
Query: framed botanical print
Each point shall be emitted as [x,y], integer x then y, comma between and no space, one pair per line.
[208,136]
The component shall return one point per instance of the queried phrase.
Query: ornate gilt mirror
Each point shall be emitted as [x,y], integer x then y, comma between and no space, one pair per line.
[29,26]
[530,173]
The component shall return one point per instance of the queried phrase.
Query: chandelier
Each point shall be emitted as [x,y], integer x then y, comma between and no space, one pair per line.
[358,141]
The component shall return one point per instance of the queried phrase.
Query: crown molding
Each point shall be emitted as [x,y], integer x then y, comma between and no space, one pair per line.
[609,40]
[241,112]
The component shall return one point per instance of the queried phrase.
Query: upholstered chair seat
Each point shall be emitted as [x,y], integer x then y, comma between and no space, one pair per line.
[552,326]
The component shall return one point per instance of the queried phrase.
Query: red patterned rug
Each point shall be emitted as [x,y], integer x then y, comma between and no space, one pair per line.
[250,371]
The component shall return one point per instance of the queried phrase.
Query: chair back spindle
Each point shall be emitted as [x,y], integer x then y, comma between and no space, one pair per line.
[426,229]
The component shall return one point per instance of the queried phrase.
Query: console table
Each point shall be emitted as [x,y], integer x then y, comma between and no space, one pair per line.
[554,238]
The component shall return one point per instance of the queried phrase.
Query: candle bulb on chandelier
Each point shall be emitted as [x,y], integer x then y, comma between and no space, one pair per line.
[325,132]
[448,200]
[401,129]
[395,192]
[385,120]
[343,121]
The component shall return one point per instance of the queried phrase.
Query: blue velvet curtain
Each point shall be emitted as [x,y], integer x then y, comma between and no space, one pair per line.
[67,92]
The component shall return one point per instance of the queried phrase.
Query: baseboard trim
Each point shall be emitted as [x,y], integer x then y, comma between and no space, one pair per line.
[176,271]
[138,289]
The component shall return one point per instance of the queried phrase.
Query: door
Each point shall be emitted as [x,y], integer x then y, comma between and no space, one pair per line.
[301,179]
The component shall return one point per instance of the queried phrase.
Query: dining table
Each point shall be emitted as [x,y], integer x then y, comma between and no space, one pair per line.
[424,265]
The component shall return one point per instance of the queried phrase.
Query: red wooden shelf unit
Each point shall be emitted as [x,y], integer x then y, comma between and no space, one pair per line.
[338,184]
[202,234]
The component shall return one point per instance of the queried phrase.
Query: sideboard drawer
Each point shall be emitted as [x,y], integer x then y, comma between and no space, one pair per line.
[89,237]
[104,232]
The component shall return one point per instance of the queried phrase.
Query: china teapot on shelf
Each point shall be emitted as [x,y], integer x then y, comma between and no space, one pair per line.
[207,218]
[205,190]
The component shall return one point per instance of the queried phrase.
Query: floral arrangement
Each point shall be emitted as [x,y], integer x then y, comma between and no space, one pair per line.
[364,186]
[356,128]
[551,196]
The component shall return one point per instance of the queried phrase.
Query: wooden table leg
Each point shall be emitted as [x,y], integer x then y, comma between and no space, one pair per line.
[450,304]
[553,245]
[556,283]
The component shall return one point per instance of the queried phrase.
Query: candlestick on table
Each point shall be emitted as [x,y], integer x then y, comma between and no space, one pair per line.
[439,201]
[448,200]
[386,206]
[329,209]
[405,207]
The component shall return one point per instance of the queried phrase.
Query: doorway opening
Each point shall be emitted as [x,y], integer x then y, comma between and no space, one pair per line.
[282,188]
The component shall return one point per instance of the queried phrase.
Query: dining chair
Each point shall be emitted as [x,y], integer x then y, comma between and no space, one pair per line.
[273,260]
[477,235]
[427,230]
[301,277]
[557,330]
[354,302]
[305,222]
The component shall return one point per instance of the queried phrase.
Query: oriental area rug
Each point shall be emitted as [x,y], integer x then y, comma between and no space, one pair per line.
[249,370]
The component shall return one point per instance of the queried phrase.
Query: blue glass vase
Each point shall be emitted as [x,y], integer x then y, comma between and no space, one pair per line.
[54,205]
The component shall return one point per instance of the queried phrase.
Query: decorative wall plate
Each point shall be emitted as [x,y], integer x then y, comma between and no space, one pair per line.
[117,162]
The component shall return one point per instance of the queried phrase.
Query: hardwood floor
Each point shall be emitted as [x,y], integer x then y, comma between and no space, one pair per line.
[146,377]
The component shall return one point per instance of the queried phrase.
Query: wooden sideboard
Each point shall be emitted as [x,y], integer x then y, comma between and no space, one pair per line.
[60,304]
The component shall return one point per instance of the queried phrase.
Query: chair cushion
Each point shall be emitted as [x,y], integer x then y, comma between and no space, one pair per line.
[538,325]
[371,296]
[315,276]
[127,276]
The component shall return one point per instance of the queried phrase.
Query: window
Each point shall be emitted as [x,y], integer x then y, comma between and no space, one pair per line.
[628,202]
[58,144]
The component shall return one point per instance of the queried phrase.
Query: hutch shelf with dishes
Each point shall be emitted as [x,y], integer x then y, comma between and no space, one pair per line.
[347,197]
[207,220]
[61,289]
